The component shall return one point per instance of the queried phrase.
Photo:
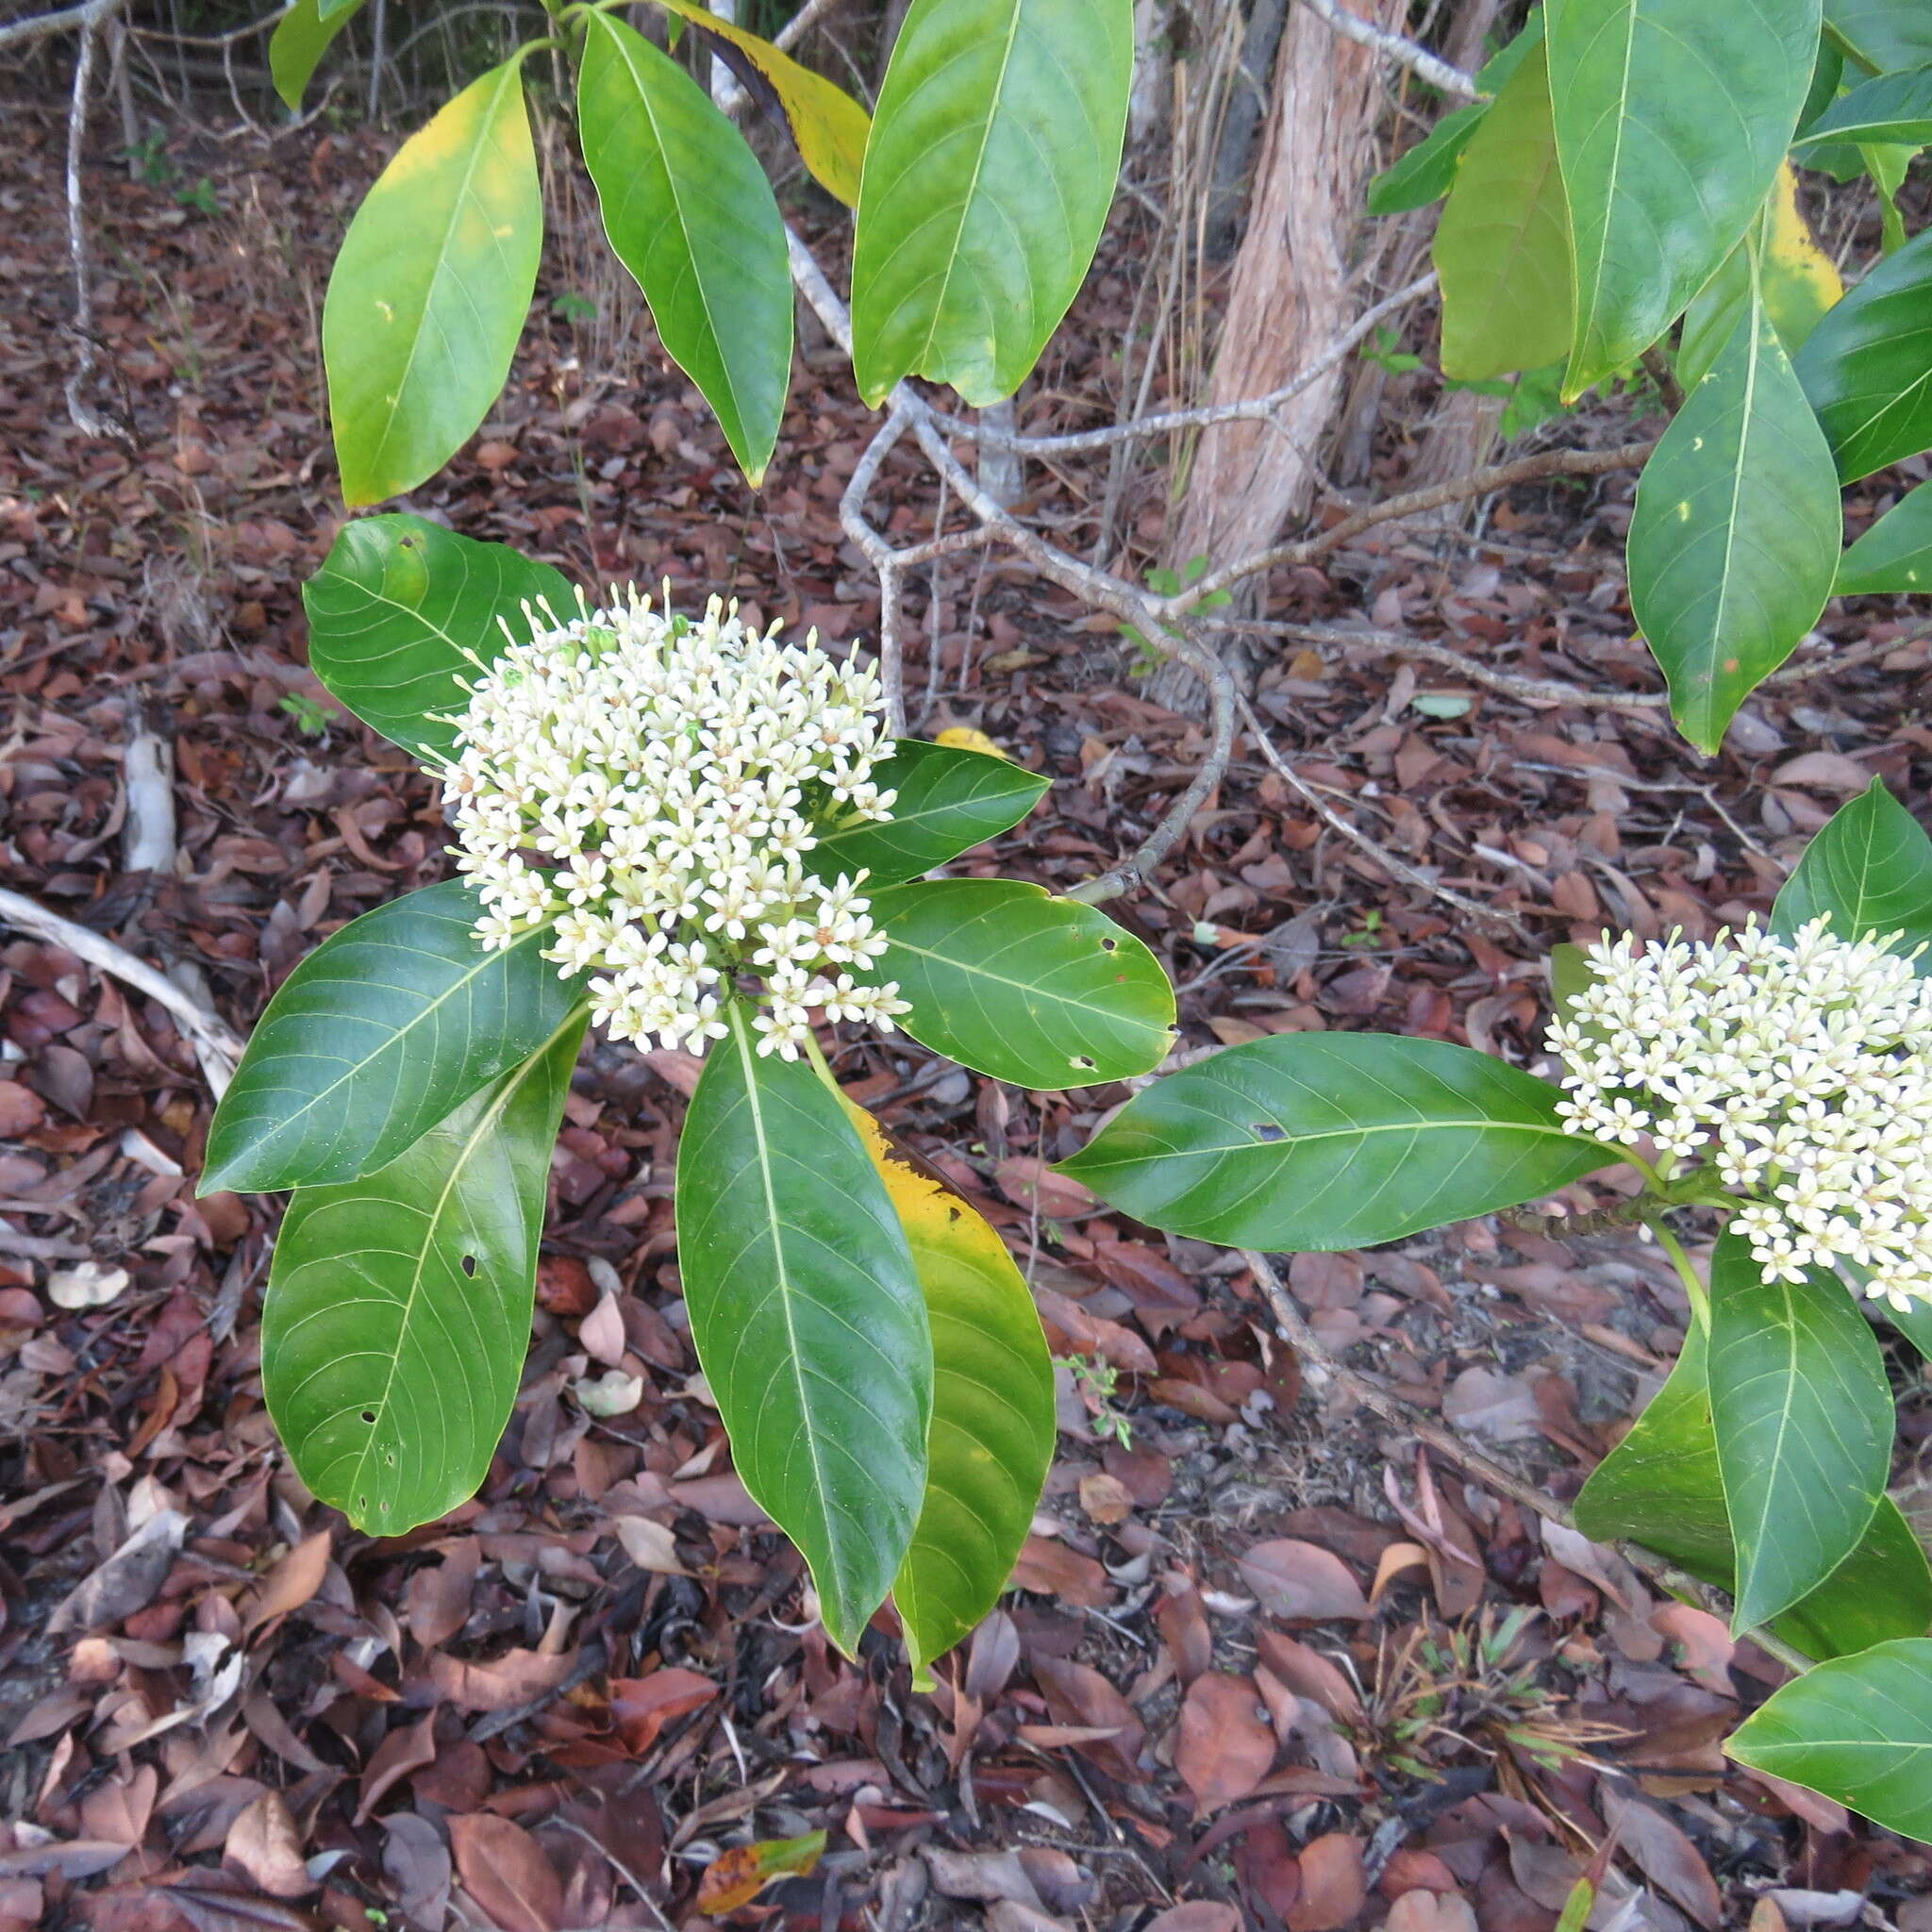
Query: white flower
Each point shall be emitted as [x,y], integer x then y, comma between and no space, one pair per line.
[1801,1068]
[651,788]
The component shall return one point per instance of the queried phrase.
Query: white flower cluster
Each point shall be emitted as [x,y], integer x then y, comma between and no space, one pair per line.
[1800,1068]
[652,785]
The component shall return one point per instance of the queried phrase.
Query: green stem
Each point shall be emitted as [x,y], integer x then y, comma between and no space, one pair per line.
[821,1065]
[1700,1300]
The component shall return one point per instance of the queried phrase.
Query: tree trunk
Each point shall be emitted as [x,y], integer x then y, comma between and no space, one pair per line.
[1288,296]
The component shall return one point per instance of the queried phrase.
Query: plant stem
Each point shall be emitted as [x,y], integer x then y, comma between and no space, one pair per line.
[1694,1288]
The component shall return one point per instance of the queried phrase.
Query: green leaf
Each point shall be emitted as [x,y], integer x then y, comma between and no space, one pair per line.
[1734,542]
[1501,249]
[949,802]
[1661,1487]
[1045,992]
[1857,1729]
[1868,871]
[398,1306]
[401,609]
[1804,1422]
[1895,555]
[378,1035]
[1332,1141]
[1914,1323]
[1672,117]
[991,166]
[689,213]
[302,37]
[808,1317]
[1424,172]
[428,294]
[1883,34]
[1867,366]
[992,1409]
[1892,108]
[828,127]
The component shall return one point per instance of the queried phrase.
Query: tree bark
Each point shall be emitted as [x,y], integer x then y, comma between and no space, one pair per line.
[1289,292]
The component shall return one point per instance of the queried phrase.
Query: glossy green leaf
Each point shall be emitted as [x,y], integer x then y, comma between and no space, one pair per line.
[1891,108]
[1857,1729]
[398,1306]
[994,149]
[1672,117]
[1734,542]
[1501,248]
[1868,871]
[302,37]
[378,1034]
[1424,172]
[690,214]
[1332,1141]
[1895,555]
[808,1317]
[1914,1323]
[993,1407]
[430,290]
[1867,366]
[828,127]
[1883,35]
[1804,1422]
[401,609]
[1661,1487]
[1045,992]
[948,801]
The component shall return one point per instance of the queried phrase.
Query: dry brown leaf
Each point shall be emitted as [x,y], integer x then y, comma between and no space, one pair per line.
[1431,1912]
[1224,1747]
[1334,1889]
[1196,1915]
[1105,1498]
[1311,1675]
[438,1597]
[264,1846]
[1664,1855]
[289,1582]
[642,1707]
[518,1676]
[1302,1582]
[503,1868]
[407,1749]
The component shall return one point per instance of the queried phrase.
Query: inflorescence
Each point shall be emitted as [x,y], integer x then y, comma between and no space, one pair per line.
[1800,1069]
[651,786]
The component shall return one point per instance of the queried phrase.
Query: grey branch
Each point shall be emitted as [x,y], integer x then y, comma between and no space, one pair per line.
[1405,52]
[40,24]
[216,1045]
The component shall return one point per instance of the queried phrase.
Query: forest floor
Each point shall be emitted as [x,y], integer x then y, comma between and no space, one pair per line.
[1262,1666]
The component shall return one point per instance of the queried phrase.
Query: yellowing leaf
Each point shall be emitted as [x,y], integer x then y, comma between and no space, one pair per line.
[828,125]
[734,1878]
[992,1415]
[1800,280]
[966,738]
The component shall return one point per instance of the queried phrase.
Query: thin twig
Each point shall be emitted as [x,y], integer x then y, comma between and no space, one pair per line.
[89,19]
[1247,410]
[86,17]
[216,1045]
[1406,53]
[1550,462]
[1498,1476]
[1394,865]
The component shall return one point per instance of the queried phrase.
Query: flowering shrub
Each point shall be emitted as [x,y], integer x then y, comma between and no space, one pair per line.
[693,834]
[1778,1080]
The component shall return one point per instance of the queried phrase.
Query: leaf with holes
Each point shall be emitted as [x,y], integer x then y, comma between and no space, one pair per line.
[808,1317]
[690,214]
[401,609]
[302,37]
[947,801]
[1867,366]
[1895,556]
[1661,1487]
[398,1306]
[1734,542]
[994,150]
[1501,250]
[430,289]
[993,1407]
[1868,871]
[378,1034]
[1045,992]
[1804,1424]
[828,127]
[1332,1141]
[1857,1729]
[1672,117]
